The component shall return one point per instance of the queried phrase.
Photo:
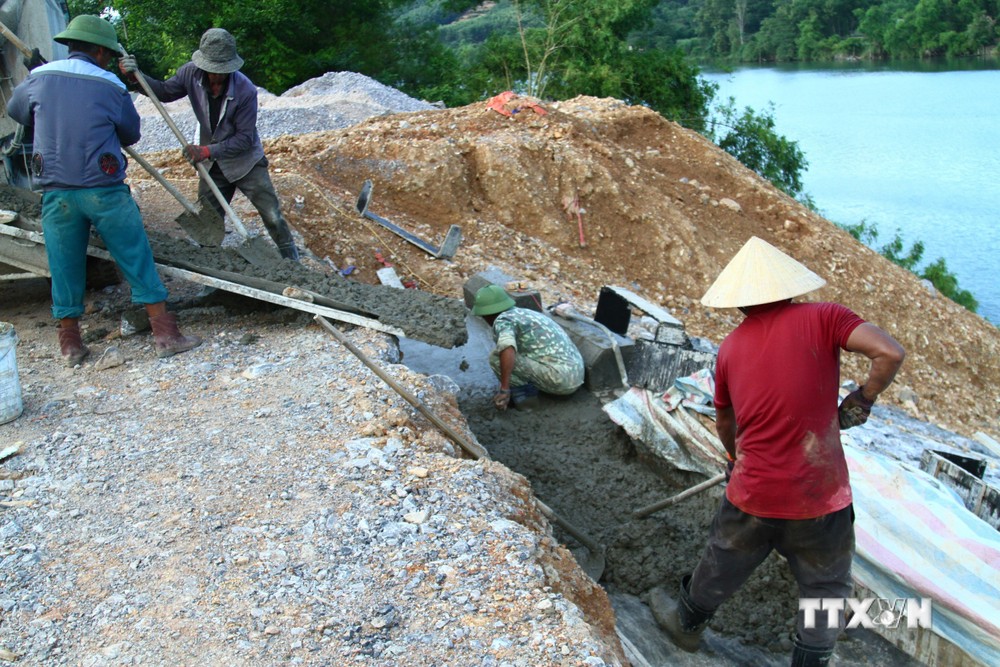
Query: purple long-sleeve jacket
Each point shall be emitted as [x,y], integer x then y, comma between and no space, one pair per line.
[235,144]
[82,117]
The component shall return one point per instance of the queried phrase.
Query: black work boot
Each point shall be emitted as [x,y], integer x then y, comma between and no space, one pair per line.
[682,620]
[804,655]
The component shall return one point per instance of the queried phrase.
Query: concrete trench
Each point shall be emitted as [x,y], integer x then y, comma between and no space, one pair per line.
[593,475]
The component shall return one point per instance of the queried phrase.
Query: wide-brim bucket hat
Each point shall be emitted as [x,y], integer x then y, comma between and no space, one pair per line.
[760,273]
[92,30]
[491,300]
[216,53]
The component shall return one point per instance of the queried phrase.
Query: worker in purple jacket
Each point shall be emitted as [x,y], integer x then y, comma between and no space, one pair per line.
[224,101]
[82,116]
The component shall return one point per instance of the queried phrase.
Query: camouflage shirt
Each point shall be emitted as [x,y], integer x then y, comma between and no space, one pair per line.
[546,357]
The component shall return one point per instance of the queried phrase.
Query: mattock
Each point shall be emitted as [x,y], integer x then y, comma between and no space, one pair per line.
[448,247]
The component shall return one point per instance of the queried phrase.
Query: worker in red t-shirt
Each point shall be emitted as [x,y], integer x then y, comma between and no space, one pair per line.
[776,391]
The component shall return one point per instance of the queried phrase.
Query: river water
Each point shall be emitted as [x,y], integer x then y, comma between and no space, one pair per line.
[911,148]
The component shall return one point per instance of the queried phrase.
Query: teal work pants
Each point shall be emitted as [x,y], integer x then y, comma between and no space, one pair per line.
[67,217]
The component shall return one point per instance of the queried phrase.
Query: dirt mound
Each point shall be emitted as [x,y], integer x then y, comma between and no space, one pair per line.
[661,210]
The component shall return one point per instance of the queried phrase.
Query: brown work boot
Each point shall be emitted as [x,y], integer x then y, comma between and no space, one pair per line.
[681,619]
[168,339]
[70,343]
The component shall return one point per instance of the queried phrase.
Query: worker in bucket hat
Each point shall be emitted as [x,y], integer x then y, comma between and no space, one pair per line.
[776,391]
[224,101]
[532,352]
[82,116]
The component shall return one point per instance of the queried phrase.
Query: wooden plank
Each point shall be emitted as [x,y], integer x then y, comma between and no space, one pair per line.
[24,250]
[262,295]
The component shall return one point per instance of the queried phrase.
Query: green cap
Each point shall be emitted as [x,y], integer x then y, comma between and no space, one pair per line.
[491,300]
[93,30]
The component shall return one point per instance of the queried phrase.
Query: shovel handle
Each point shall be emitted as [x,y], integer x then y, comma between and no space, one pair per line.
[673,500]
[188,206]
[15,40]
[202,170]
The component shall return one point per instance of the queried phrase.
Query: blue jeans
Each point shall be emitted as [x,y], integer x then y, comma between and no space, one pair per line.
[259,189]
[67,216]
[819,552]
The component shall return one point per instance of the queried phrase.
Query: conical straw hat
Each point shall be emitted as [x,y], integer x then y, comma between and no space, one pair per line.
[760,273]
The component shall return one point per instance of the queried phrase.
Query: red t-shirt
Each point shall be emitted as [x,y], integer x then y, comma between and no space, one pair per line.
[780,371]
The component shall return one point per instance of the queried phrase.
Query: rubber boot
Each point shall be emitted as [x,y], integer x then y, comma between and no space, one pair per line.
[804,655]
[289,252]
[682,620]
[168,339]
[70,343]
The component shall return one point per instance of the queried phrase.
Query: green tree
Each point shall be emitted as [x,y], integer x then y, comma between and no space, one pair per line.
[564,48]
[751,138]
[284,42]
[947,283]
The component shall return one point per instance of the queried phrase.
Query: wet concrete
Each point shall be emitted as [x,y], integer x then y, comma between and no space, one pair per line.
[588,470]
[20,201]
[421,315]
[427,317]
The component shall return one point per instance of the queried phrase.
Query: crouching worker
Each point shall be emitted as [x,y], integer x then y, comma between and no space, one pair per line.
[776,388]
[532,352]
[82,115]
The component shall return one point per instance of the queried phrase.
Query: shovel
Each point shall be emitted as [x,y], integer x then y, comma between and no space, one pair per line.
[254,249]
[448,246]
[203,225]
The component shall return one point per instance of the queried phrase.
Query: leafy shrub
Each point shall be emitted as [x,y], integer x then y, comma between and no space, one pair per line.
[753,140]
[936,272]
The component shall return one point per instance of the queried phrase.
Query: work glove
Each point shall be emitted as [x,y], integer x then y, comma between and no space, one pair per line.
[197,153]
[128,65]
[502,399]
[854,409]
[34,61]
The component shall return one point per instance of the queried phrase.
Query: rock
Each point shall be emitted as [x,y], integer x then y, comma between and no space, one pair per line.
[732,205]
[111,358]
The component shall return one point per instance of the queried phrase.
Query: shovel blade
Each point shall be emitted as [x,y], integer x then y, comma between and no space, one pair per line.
[364,197]
[258,251]
[591,562]
[206,228]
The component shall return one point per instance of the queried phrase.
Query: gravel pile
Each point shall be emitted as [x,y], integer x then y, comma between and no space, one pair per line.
[328,102]
[261,500]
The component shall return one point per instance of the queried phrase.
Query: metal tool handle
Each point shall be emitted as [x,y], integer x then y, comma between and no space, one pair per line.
[202,171]
[185,202]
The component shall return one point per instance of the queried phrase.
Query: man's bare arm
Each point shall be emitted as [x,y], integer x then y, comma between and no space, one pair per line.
[885,353]
[725,426]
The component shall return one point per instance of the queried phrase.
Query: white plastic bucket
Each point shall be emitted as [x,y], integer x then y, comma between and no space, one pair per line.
[11,405]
